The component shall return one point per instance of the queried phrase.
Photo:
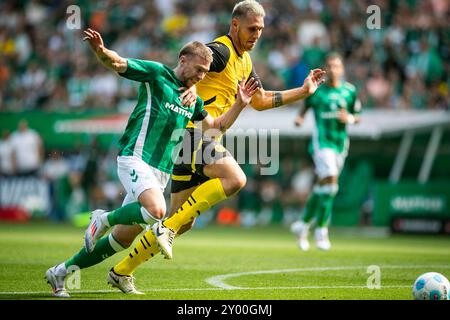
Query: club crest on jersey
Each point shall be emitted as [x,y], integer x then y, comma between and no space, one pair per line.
[179,110]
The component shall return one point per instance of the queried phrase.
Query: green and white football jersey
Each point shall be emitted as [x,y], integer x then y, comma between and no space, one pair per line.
[156,124]
[329,132]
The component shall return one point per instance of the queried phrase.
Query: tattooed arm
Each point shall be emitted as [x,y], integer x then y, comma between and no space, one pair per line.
[263,100]
[244,94]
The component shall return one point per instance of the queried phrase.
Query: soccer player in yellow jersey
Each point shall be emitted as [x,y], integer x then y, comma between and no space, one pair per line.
[200,184]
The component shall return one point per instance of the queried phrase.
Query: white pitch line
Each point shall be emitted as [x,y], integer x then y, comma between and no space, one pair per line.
[219,281]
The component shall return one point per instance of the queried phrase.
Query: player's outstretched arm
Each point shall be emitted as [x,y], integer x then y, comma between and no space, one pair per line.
[346,117]
[263,100]
[108,58]
[298,122]
[244,95]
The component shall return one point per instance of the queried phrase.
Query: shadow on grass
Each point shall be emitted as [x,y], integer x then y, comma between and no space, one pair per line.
[73,296]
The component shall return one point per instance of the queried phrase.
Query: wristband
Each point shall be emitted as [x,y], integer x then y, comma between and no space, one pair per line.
[351,119]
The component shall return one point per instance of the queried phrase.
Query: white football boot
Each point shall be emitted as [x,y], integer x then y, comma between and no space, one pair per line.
[164,238]
[95,230]
[322,241]
[56,279]
[301,229]
[123,283]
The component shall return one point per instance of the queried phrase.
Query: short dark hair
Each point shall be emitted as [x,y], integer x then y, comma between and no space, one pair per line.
[196,48]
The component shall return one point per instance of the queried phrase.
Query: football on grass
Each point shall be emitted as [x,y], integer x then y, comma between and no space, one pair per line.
[431,286]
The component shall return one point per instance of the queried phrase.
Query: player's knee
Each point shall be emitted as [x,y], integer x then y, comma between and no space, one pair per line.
[160,213]
[157,212]
[236,183]
[153,212]
[241,181]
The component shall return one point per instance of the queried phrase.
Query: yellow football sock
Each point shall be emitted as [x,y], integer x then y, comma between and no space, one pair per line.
[145,249]
[203,198]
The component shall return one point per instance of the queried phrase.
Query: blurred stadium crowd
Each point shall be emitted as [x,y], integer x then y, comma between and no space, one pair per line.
[45,65]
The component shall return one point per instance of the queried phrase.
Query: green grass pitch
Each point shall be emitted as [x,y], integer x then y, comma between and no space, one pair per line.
[230,263]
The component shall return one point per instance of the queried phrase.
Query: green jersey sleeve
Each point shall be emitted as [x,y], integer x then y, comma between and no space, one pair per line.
[142,70]
[200,113]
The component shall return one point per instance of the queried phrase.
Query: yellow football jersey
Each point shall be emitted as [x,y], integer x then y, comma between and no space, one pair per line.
[219,87]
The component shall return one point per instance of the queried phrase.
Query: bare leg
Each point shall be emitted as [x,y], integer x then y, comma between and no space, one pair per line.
[227,170]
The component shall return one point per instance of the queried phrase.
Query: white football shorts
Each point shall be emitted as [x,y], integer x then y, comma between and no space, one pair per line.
[328,162]
[137,176]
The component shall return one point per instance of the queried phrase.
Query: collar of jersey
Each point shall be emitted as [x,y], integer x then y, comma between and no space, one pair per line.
[176,78]
[235,50]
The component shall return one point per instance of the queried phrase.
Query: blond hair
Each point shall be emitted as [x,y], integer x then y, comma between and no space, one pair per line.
[195,48]
[245,7]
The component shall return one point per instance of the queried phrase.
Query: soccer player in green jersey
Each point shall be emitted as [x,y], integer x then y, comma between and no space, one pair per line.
[148,147]
[335,105]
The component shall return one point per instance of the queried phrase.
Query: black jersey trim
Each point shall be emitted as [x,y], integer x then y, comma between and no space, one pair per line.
[221,56]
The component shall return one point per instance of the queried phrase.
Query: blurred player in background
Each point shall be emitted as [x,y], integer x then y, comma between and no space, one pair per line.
[335,105]
[147,146]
